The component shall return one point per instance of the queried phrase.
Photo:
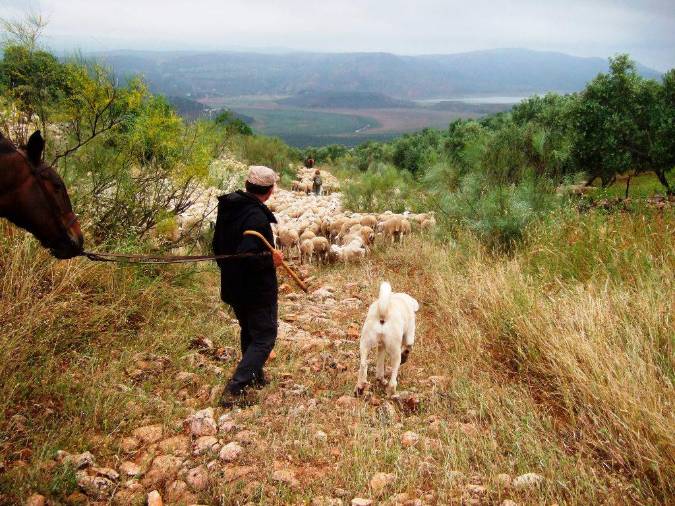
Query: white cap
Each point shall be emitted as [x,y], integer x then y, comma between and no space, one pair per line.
[261,175]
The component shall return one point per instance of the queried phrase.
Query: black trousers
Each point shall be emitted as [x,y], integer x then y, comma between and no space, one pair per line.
[258,335]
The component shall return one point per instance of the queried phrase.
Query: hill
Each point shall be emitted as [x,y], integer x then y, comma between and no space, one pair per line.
[464,107]
[344,99]
[189,109]
[229,74]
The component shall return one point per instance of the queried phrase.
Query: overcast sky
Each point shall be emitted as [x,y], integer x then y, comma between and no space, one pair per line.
[643,28]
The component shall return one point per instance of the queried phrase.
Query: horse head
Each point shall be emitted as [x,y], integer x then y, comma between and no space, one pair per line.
[34,197]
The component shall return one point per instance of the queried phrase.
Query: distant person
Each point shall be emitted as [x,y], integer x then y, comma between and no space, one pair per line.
[309,163]
[249,284]
[317,182]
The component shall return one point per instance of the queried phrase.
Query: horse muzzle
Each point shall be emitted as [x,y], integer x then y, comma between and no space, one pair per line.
[72,245]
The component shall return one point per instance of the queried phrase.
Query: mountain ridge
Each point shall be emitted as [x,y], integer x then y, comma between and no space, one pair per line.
[475,73]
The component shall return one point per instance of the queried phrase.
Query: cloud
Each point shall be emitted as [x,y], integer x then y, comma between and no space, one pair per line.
[646,29]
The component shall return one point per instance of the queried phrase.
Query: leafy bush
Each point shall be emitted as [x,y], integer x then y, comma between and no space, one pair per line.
[326,154]
[127,180]
[232,124]
[415,152]
[260,150]
[497,214]
[382,188]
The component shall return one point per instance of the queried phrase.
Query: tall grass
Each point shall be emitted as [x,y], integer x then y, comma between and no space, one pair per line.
[581,316]
[69,331]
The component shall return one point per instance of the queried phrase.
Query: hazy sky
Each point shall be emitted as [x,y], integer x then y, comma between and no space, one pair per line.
[643,28]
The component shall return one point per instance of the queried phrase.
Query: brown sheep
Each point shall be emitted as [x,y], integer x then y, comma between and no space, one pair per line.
[306,250]
[428,224]
[392,228]
[368,235]
[288,238]
[307,234]
[321,248]
[406,228]
[369,221]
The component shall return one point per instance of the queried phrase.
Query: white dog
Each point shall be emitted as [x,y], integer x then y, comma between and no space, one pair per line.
[389,325]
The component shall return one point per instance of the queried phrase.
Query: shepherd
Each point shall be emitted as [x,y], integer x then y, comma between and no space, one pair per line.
[317,182]
[249,284]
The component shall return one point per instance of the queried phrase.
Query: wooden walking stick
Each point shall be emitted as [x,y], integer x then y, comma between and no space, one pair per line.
[290,271]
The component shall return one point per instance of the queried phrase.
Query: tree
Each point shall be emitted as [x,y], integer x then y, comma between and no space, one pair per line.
[232,124]
[659,107]
[24,33]
[34,82]
[624,124]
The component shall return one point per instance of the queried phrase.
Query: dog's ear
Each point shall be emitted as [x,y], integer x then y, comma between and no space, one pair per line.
[414,305]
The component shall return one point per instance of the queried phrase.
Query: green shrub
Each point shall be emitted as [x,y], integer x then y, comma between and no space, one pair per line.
[497,214]
[269,151]
[382,188]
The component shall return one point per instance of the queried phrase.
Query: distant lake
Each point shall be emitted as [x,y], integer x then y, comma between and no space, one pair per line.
[477,100]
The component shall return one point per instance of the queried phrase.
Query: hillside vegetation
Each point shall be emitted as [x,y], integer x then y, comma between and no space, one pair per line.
[543,367]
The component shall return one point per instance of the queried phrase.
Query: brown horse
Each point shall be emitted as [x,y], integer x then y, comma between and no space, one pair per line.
[33,197]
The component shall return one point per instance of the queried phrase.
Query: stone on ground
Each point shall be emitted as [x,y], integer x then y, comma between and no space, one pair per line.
[129,468]
[178,445]
[380,481]
[149,434]
[205,444]
[230,452]
[129,444]
[409,438]
[201,423]
[154,499]
[36,500]
[527,480]
[178,493]
[286,476]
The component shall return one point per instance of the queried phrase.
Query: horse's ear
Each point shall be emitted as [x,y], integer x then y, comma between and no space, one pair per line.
[35,146]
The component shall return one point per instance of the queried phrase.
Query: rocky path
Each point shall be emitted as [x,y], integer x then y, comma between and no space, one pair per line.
[308,440]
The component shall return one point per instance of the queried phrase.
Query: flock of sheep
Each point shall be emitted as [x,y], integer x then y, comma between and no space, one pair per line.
[310,228]
[304,182]
[316,227]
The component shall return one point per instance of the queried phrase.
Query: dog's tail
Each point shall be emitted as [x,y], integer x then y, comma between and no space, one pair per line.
[383,301]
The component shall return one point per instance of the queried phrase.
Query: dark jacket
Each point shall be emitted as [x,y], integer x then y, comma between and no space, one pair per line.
[248,281]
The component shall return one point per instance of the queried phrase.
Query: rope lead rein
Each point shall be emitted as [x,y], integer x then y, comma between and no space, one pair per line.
[152,259]
[175,259]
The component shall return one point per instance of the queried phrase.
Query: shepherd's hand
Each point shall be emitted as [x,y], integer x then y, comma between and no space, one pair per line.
[277,257]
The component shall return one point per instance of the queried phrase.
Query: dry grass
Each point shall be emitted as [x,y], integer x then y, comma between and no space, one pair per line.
[557,360]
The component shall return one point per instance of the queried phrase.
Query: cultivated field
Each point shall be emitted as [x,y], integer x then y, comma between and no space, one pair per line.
[302,127]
